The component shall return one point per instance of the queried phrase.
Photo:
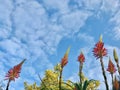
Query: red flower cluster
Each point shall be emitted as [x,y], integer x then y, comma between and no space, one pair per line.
[116,84]
[99,50]
[111,68]
[64,60]
[81,58]
[14,72]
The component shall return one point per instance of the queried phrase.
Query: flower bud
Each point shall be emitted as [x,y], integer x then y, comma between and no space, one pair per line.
[100,38]
[115,55]
[64,60]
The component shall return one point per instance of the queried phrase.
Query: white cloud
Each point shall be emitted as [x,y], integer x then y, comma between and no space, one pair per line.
[97,5]
[110,5]
[117,33]
[10,46]
[5,12]
[92,4]
[116,22]
[61,6]
[87,38]
[74,77]
[115,18]
[74,20]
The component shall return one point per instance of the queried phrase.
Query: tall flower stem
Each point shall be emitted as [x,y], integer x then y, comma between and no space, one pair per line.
[103,71]
[118,67]
[80,72]
[64,61]
[81,60]
[13,73]
[42,82]
[116,60]
[112,81]
[116,85]
[7,88]
[60,79]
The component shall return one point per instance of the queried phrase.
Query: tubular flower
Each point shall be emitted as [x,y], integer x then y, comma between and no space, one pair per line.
[75,88]
[116,84]
[99,50]
[111,68]
[81,58]
[116,60]
[115,56]
[64,60]
[14,72]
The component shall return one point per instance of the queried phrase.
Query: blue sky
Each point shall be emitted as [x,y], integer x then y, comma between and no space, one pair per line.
[42,30]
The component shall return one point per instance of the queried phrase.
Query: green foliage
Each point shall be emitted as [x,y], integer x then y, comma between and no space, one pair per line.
[50,81]
[31,87]
[87,85]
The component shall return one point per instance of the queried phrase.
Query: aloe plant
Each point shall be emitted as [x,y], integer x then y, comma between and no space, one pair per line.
[84,85]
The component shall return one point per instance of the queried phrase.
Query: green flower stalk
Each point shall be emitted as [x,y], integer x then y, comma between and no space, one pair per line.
[99,52]
[81,59]
[112,81]
[60,80]
[111,68]
[116,60]
[7,88]
[64,61]
[104,75]
[42,82]
[13,73]
[80,72]
[116,84]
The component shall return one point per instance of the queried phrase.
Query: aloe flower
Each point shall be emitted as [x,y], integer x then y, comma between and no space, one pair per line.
[116,60]
[116,84]
[81,59]
[64,61]
[75,88]
[99,52]
[13,73]
[111,68]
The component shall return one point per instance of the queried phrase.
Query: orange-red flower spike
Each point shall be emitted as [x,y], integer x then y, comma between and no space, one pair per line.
[81,57]
[116,84]
[64,60]
[14,72]
[111,68]
[99,50]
